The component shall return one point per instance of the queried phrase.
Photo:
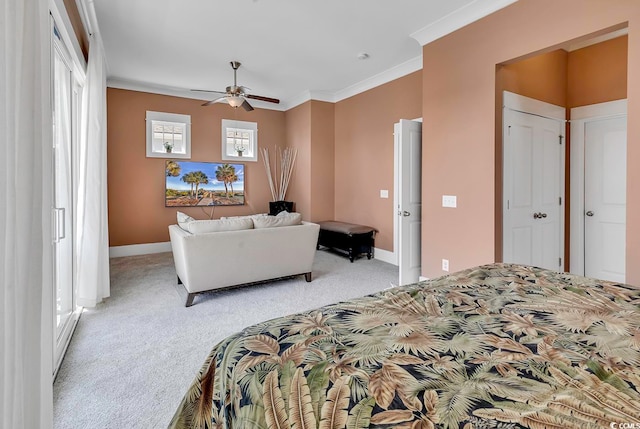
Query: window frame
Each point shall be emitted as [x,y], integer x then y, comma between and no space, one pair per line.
[155,117]
[252,128]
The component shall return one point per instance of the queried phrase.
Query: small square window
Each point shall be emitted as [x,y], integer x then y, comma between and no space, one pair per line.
[239,140]
[168,135]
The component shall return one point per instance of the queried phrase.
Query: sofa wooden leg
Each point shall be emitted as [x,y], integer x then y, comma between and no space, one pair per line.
[189,302]
[307,277]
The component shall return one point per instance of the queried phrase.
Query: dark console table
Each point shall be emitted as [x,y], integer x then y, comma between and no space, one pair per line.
[348,237]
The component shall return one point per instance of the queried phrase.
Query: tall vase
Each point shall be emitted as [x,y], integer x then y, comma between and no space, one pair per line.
[276,207]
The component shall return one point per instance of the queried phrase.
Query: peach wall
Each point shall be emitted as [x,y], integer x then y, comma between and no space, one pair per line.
[136,183]
[597,73]
[543,77]
[298,135]
[459,129]
[364,152]
[310,129]
[323,161]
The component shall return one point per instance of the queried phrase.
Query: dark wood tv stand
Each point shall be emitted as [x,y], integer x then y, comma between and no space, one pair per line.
[347,237]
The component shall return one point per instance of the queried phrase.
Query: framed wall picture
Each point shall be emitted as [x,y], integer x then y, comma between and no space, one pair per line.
[168,135]
[201,184]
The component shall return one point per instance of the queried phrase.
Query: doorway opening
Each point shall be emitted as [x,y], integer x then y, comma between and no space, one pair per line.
[571,77]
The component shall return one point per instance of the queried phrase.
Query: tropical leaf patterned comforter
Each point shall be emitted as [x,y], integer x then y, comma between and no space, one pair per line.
[498,346]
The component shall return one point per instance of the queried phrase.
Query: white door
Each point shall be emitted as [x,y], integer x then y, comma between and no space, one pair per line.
[533,171]
[65,98]
[605,193]
[408,142]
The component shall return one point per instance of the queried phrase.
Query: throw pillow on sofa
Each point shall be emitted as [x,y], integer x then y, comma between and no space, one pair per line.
[282,219]
[219,225]
[184,220]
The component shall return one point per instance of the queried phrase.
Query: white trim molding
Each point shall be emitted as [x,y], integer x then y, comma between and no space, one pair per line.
[523,104]
[131,85]
[384,256]
[396,72]
[459,18]
[149,248]
[139,249]
[64,26]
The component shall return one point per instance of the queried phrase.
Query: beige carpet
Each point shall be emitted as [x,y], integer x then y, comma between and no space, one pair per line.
[133,357]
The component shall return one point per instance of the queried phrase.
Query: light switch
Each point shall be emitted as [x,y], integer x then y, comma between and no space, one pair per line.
[449,201]
[384,193]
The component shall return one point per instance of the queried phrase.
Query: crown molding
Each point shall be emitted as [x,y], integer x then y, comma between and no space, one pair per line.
[131,85]
[305,96]
[389,75]
[459,18]
[386,76]
[402,69]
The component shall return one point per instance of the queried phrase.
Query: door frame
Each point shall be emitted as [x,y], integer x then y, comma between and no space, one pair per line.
[579,117]
[395,260]
[520,103]
[69,50]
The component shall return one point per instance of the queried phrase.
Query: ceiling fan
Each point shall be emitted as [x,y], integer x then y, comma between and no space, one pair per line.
[236,95]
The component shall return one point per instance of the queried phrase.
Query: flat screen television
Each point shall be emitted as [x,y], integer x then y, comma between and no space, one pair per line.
[191,184]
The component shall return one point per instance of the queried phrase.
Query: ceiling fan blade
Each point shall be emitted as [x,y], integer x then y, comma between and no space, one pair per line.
[261,98]
[209,103]
[207,90]
[246,106]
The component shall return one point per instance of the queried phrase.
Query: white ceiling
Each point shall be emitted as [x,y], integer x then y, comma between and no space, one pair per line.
[289,49]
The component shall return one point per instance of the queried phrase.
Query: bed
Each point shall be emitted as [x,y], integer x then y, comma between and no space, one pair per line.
[496,346]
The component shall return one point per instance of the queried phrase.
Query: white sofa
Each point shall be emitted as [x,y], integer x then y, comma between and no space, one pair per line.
[214,260]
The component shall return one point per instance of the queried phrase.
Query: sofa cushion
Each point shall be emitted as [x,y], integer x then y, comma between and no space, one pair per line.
[184,220]
[253,216]
[218,225]
[282,219]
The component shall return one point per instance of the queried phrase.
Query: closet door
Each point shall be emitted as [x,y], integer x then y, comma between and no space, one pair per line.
[533,179]
[605,197]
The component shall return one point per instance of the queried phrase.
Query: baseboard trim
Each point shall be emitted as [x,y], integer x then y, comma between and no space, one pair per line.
[139,249]
[423,279]
[148,248]
[384,256]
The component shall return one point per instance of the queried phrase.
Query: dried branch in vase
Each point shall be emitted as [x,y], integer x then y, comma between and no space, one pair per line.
[279,173]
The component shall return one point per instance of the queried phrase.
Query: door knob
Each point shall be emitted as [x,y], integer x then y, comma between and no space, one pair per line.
[589,213]
[406,213]
[543,215]
[539,215]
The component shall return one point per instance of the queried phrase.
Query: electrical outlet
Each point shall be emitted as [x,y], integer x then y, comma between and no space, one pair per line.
[449,201]
[445,265]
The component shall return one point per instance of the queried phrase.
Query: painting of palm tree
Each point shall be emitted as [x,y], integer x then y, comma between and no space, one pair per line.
[172,169]
[226,173]
[203,184]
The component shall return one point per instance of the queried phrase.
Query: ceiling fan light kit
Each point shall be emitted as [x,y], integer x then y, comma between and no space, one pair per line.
[236,96]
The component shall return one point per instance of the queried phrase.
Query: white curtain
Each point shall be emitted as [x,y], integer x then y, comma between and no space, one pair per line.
[93,236]
[26,287]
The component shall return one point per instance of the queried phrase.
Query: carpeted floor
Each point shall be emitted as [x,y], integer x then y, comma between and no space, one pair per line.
[133,357]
